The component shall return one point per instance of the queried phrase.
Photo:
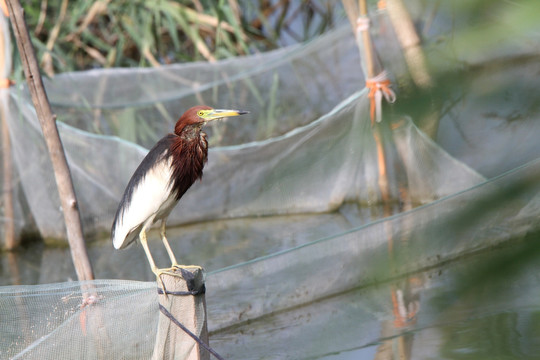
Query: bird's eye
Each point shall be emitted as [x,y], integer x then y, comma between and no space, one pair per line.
[200,113]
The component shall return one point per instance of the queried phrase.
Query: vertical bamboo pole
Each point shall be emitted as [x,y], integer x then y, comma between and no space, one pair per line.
[356,13]
[384,185]
[184,299]
[366,38]
[10,241]
[47,121]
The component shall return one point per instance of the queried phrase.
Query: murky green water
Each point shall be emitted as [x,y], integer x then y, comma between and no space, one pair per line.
[214,245]
[482,306]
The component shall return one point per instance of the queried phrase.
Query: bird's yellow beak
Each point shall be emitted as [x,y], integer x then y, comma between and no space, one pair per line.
[216,114]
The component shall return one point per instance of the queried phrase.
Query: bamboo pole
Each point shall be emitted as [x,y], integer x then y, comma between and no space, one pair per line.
[410,43]
[384,184]
[357,11]
[184,299]
[414,56]
[366,37]
[47,121]
[10,240]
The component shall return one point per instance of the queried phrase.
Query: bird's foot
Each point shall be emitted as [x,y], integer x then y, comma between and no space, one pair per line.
[174,270]
[169,271]
[165,271]
[186,267]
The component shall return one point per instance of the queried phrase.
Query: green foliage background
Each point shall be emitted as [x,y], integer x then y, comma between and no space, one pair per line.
[82,34]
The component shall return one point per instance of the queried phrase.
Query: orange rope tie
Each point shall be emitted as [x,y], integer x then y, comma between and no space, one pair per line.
[377,89]
[5,83]
[4,7]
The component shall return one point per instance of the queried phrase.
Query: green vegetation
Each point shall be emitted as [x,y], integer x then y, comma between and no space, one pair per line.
[82,34]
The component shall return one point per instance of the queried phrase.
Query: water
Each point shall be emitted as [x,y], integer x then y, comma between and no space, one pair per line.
[483,306]
[213,245]
[480,306]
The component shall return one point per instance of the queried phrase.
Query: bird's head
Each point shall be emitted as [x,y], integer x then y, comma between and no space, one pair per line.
[201,114]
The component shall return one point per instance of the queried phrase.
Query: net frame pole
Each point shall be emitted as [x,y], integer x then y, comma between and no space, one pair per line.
[410,43]
[366,38]
[47,121]
[415,58]
[183,296]
[384,185]
[10,240]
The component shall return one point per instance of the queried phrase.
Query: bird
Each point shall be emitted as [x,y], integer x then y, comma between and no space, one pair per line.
[162,178]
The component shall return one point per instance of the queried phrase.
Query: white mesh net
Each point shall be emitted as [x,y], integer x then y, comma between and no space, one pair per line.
[307,152]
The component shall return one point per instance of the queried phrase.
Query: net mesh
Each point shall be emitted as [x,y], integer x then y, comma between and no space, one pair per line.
[336,151]
[38,320]
[306,151]
[49,319]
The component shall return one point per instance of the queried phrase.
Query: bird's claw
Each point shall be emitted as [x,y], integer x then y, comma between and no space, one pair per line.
[169,271]
[174,270]
[187,267]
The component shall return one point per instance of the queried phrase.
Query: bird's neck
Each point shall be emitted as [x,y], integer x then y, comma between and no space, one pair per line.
[188,155]
[195,136]
[190,133]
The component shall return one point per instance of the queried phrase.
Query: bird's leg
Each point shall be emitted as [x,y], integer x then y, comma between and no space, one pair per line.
[167,246]
[158,272]
[170,252]
[144,243]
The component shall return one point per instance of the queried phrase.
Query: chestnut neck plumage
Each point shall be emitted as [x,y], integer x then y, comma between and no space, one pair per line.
[189,152]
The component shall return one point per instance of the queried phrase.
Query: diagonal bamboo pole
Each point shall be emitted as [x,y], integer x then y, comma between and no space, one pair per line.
[47,121]
[410,43]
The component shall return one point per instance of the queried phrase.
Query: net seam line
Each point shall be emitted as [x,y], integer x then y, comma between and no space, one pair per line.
[187,331]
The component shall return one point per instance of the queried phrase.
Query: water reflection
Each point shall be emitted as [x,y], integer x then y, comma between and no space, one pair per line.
[405,296]
[483,306]
[474,306]
[214,245]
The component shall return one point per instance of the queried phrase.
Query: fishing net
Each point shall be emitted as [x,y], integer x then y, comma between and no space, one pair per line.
[289,209]
[40,319]
[335,151]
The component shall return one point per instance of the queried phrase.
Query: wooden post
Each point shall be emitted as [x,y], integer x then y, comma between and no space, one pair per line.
[185,301]
[47,121]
